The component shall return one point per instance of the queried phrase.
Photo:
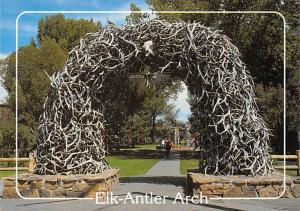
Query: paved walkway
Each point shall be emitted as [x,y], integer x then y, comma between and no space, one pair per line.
[164,180]
[138,189]
[166,167]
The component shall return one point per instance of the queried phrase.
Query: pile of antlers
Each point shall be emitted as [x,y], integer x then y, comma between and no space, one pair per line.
[71,136]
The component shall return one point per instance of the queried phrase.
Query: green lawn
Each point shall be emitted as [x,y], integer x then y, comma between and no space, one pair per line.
[290,172]
[128,166]
[131,166]
[188,164]
[10,173]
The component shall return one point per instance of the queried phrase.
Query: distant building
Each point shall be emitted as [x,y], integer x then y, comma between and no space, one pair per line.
[181,130]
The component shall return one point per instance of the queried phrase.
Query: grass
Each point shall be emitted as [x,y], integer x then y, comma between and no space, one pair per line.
[10,173]
[130,163]
[188,164]
[131,166]
[128,166]
[290,172]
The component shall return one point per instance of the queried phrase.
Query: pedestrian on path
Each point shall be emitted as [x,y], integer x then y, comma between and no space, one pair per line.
[169,146]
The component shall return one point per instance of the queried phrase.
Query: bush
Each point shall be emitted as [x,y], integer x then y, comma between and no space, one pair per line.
[26,140]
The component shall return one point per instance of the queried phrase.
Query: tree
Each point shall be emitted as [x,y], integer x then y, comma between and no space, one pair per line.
[270,100]
[290,11]
[134,18]
[154,103]
[34,64]
[37,61]
[65,32]
[137,128]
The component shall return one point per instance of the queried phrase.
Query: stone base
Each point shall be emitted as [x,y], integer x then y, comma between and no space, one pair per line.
[242,186]
[60,186]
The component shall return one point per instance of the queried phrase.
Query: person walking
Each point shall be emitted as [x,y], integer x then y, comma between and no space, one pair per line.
[168,148]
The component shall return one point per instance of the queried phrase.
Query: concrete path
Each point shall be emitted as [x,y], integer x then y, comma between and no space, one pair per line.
[166,167]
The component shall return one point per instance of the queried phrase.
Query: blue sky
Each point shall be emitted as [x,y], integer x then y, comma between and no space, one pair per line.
[10,9]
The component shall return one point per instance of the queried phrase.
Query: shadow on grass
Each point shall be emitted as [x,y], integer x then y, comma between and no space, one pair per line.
[152,154]
[186,155]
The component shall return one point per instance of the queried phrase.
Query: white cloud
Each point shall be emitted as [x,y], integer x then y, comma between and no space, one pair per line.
[3,55]
[126,7]
[28,28]
[3,94]
[181,103]
[7,25]
[23,27]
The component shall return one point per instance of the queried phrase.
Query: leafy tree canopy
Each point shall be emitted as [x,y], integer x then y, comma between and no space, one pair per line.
[65,32]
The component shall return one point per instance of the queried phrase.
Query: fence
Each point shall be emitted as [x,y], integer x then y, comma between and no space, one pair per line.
[288,157]
[181,148]
[30,161]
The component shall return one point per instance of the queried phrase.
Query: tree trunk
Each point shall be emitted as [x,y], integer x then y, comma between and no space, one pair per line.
[298,139]
[153,130]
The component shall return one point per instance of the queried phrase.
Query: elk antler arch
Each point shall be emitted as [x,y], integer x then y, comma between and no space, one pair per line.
[235,137]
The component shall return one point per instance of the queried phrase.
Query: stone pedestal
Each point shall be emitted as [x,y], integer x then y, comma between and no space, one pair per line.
[242,186]
[60,186]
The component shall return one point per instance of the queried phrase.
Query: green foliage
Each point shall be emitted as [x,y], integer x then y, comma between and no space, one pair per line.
[65,32]
[155,103]
[7,138]
[137,127]
[185,165]
[270,100]
[181,5]
[10,173]
[129,166]
[134,18]
[56,36]
[291,12]
[26,139]
[33,82]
